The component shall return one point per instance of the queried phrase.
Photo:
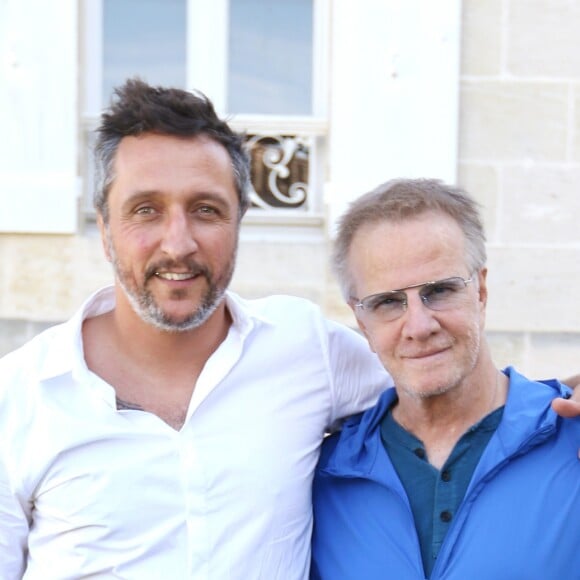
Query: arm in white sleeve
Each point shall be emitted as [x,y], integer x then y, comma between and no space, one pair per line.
[13,529]
[357,376]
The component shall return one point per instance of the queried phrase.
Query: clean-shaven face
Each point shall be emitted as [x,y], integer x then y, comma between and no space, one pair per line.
[427,352]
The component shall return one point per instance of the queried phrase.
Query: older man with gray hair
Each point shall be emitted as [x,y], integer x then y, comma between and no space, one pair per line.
[461,470]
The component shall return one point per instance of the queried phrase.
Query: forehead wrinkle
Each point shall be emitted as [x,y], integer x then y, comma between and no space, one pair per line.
[398,255]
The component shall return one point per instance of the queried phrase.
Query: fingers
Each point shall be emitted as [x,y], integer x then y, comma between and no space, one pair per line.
[566,407]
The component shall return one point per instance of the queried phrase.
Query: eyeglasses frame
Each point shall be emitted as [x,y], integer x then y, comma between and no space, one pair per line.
[359,303]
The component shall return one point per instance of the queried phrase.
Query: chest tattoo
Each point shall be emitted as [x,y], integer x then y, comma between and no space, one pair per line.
[124,405]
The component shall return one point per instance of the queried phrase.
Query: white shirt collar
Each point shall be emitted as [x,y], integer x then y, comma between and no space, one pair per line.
[68,355]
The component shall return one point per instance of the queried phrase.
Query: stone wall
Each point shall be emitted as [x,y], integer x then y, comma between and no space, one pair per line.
[519,154]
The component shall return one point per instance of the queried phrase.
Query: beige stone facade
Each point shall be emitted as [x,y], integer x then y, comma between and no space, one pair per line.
[519,154]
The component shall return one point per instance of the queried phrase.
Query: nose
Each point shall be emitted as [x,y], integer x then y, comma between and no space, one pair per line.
[178,239]
[419,322]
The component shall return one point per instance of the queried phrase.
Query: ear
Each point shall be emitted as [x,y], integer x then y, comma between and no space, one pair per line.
[104,240]
[482,278]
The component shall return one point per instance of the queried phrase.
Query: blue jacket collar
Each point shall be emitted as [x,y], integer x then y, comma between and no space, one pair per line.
[528,419]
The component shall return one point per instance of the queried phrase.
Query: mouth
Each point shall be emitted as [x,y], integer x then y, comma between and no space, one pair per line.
[176,276]
[426,354]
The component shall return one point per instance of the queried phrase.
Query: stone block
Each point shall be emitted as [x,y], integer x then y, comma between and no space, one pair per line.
[554,355]
[47,277]
[575,153]
[531,288]
[503,121]
[93,270]
[336,308]
[38,277]
[481,181]
[481,37]
[14,333]
[542,39]
[537,355]
[283,267]
[540,205]
[3,272]
[508,349]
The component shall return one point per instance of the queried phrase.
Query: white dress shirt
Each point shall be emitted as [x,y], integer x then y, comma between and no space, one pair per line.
[87,490]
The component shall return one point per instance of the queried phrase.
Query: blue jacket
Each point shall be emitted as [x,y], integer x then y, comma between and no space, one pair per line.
[519,519]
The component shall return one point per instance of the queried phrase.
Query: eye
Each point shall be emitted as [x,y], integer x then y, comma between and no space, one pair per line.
[144,210]
[441,290]
[207,211]
[387,301]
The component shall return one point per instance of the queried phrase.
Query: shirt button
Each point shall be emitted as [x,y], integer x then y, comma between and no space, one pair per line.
[446,475]
[445,516]
[420,453]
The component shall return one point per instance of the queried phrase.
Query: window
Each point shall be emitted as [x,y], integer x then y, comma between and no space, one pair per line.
[147,37]
[260,61]
[391,88]
[270,57]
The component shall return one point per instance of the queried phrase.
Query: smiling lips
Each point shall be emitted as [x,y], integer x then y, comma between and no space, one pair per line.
[427,354]
[176,275]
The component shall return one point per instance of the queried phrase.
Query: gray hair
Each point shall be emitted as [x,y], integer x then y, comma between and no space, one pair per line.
[402,199]
[138,108]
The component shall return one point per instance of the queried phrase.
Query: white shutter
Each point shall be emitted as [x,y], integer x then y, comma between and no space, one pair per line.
[39,186]
[394,93]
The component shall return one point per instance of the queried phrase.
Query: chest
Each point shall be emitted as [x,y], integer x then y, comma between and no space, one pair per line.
[241,462]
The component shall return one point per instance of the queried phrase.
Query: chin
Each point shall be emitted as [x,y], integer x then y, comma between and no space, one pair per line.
[419,388]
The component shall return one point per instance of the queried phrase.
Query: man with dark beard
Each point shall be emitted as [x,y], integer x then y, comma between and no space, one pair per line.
[171,429]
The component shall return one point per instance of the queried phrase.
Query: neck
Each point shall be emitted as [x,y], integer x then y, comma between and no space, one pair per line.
[441,420]
[151,369]
[140,340]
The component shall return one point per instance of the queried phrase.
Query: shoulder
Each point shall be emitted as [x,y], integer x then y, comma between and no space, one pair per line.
[336,442]
[281,310]
[529,414]
[357,429]
[524,392]
[277,306]
[21,374]
[56,341]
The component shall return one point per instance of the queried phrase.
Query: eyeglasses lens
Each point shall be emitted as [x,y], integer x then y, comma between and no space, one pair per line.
[441,295]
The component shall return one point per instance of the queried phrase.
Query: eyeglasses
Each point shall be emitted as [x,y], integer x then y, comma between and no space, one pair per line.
[444,294]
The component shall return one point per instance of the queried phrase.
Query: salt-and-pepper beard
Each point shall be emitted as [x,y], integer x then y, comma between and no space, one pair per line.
[143,302]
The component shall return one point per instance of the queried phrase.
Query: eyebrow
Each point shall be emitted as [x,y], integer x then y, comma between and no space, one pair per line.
[138,196]
[421,284]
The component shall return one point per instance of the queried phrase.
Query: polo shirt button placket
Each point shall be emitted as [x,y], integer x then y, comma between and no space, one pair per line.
[420,453]
[445,516]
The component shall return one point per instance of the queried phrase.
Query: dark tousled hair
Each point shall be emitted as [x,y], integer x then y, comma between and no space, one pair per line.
[139,108]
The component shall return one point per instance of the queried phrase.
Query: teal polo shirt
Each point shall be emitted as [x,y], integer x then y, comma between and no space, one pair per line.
[435,495]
